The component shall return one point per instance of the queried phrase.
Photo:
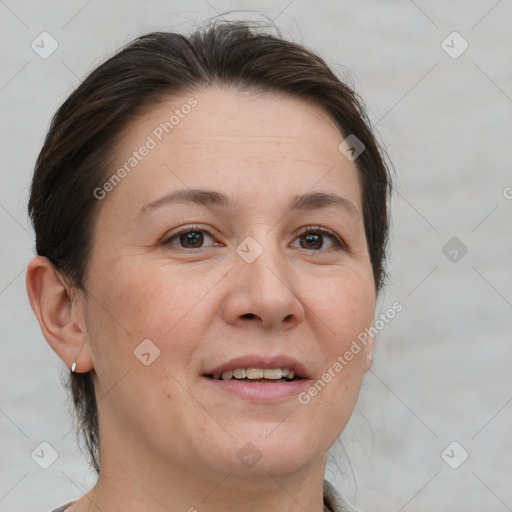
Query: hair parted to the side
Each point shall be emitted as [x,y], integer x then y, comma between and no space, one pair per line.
[79,147]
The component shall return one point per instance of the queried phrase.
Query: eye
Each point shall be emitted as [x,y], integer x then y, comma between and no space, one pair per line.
[315,238]
[189,238]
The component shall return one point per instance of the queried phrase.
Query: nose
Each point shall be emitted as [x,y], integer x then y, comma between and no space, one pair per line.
[263,293]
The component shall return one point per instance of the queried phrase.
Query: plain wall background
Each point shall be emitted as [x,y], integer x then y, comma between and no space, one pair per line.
[442,368]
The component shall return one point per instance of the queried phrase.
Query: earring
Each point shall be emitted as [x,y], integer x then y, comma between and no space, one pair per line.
[73,367]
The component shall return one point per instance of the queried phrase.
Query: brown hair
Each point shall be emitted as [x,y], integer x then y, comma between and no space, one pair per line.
[83,134]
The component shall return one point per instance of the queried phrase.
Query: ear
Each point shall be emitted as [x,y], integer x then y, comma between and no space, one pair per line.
[59,308]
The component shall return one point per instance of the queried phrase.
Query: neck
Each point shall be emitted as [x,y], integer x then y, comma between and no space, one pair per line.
[199,496]
[137,480]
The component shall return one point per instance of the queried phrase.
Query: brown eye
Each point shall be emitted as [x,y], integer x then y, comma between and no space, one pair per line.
[311,241]
[190,239]
[317,239]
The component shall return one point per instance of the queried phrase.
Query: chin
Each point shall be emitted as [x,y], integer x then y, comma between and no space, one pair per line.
[279,454]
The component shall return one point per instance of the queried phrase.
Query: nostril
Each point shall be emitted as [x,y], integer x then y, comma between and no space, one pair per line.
[248,316]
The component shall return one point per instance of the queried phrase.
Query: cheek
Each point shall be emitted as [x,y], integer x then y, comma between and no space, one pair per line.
[154,302]
[132,305]
[344,306]
[148,300]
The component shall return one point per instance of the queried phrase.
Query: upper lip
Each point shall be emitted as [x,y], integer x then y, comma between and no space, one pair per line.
[258,361]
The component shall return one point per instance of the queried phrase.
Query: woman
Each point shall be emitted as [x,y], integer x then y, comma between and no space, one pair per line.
[211,214]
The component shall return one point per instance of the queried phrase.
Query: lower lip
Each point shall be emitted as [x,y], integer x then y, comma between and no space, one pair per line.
[259,391]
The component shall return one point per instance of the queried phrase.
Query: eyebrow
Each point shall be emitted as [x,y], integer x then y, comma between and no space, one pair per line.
[193,196]
[308,201]
[314,200]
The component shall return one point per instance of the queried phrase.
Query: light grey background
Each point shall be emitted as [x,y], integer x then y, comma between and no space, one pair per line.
[442,369]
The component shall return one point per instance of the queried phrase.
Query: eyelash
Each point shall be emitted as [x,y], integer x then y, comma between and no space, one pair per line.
[309,229]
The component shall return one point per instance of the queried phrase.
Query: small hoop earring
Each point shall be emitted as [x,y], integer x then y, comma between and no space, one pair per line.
[73,367]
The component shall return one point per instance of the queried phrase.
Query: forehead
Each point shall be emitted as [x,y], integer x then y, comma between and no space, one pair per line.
[217,115]
[233,140]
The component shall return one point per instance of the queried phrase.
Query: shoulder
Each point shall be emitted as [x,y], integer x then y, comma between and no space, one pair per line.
[335,501]
[64,507]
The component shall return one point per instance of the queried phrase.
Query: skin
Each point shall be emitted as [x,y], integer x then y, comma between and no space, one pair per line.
[169,441]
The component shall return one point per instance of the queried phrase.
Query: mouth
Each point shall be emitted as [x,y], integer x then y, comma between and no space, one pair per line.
[259,379]
[255,368]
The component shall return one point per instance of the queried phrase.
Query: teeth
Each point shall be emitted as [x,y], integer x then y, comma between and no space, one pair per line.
[239,373]
[256,373]
[272,374]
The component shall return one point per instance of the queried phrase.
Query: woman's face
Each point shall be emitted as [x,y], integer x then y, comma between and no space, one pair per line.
[260,264]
